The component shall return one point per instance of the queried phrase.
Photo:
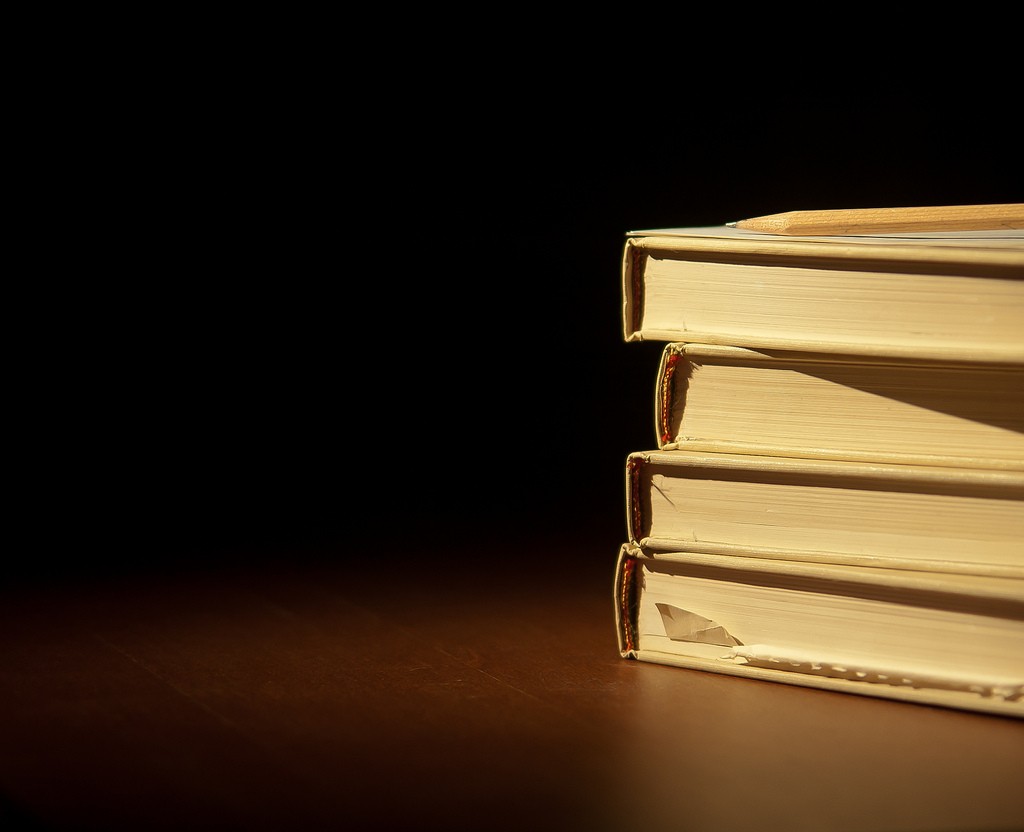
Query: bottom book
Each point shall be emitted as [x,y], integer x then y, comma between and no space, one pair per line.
[938,639]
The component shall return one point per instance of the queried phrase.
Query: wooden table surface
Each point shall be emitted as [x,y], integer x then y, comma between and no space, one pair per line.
[454,690]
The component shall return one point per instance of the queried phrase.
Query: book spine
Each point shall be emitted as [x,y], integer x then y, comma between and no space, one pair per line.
[634,257]
[634,511]
[627,590]
[671,359]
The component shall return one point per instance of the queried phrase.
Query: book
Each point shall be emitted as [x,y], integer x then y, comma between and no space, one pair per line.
[836,496]
[956,295]
[717,398]
[889,515]
[940,639]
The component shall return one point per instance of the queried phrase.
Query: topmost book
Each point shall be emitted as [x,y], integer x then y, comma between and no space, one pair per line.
[942,295]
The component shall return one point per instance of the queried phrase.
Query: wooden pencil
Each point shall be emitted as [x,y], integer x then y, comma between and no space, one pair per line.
[889,220]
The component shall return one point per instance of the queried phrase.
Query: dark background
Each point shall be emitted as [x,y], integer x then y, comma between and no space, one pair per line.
[338,322]
[298,291]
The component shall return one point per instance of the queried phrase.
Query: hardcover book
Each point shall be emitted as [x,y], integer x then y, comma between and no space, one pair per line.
[919,517]
[836,495]
[949,640]
[716,398]
[950,296]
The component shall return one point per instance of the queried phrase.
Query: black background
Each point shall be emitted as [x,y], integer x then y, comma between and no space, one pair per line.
[342,322]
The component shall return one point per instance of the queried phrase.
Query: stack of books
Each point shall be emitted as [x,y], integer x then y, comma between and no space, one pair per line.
[834,492]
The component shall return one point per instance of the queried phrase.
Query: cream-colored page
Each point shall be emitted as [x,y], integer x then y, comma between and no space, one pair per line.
[855,411]
[752,621]
[759,306]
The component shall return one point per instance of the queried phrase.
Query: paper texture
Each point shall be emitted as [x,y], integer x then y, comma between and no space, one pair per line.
[990,683]
[857,296]
[967,520]
[736,400]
